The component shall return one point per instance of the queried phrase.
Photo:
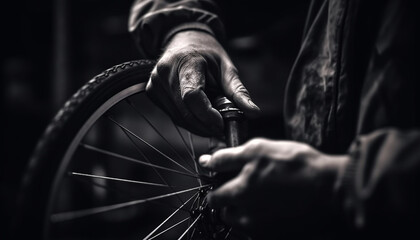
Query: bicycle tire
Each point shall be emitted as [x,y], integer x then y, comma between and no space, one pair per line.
[62,140]
[43,165]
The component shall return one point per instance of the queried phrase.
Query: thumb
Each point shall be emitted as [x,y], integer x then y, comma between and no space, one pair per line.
[237,93]
[225,160]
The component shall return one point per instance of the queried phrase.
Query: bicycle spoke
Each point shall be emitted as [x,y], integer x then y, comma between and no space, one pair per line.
[194,157]
[170,216]
[149,145]
[128,194]
[192,234]
[183,141]
[228,233]
[118,179]
[135,160]
[65,216]
[158,132]
[190,138]
[108,188]
[138,149]
[195,200]
[169,228]
[192,224]
[70,214]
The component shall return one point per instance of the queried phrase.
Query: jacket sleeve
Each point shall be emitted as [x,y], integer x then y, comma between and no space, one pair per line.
[152,23]
[382,182]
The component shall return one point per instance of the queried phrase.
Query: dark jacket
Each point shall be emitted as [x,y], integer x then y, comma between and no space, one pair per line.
[353,89]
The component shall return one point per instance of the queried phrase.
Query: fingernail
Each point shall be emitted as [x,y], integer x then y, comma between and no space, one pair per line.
[204,159]
[252,104]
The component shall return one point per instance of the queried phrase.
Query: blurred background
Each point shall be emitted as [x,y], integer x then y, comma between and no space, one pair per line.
[52,47]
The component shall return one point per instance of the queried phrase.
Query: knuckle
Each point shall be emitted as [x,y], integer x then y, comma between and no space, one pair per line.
[216,159]
[190,54]
[153,85]
[240,89]
[231,72]
[231,75]
[181,58]
[149,86]
[306,147]
[191,64]
[302,151]
[153,75]
[255,149]
[255,144]
[190,93]
[163,67]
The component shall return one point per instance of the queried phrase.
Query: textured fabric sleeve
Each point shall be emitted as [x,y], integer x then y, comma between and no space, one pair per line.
[152,23]
[382,182]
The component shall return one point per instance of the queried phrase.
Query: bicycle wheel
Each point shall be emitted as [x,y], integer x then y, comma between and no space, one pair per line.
[112,165]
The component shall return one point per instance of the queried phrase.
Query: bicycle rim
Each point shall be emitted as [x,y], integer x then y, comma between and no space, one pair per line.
[127,171]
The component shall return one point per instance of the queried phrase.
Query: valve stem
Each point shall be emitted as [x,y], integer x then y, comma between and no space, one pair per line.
[233,119]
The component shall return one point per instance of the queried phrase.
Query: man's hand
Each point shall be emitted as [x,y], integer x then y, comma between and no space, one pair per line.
[282,186]
[193,69]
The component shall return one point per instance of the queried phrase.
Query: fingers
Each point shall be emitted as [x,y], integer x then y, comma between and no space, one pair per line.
[231,159]
[179,81]
[177,87]
[237,92]
[232,192]
[157,91]
[192,83]
[225,160]
[198,103]
[226,194]
[232,216]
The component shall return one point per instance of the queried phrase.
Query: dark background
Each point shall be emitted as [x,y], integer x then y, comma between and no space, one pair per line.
[52,47]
